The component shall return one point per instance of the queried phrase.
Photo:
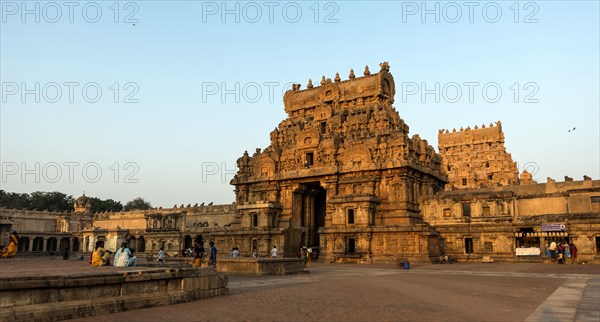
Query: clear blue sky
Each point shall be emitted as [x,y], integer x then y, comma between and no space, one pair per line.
[180,56]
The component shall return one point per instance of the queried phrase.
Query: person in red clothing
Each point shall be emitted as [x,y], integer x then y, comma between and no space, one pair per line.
[573,254]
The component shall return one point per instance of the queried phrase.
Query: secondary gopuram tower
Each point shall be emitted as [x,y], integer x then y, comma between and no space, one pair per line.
[341,174]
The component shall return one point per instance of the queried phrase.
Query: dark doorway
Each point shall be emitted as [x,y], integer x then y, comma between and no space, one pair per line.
[51,244]
[64,244]
[350,246]
[468,245]
[200,240]
[141,244]
[132,243]
[23,244]
[187,242]
[38,244]
[311,210]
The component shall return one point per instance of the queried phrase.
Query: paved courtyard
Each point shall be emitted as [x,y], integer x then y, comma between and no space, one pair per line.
[345,292]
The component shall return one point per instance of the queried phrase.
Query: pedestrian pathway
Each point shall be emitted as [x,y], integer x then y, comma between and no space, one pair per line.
[578,299]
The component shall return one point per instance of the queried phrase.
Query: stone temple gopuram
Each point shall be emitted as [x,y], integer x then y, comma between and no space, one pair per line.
[341,174]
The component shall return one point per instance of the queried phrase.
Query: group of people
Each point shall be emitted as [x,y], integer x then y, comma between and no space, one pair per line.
[559,252]
[123,256]
[11,250]
[199,254]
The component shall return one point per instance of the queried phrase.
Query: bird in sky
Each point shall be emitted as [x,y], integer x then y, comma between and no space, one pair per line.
[572,129]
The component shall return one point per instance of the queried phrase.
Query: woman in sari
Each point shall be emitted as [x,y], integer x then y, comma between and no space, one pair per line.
[98,254]
[124,258]
[11,251]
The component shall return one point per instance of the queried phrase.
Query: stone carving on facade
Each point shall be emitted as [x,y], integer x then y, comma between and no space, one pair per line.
[526,178]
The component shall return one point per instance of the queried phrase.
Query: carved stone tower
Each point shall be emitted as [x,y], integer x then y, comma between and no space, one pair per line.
[477,157]
[341,174]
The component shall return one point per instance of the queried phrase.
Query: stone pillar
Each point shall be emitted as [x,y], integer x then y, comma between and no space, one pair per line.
[71,244]
[45,244]
[31,245]
[369,248]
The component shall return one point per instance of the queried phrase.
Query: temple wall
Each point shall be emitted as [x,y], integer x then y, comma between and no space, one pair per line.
[503,219]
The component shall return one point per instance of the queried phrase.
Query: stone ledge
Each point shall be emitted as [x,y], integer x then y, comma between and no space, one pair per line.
[55,298]
[262,266]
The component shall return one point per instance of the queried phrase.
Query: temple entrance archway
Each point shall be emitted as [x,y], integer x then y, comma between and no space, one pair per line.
[64,244]
[309,208]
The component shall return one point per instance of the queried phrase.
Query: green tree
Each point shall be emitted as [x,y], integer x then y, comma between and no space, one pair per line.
[13,200]
[99,205]
[51,201]
[137,204]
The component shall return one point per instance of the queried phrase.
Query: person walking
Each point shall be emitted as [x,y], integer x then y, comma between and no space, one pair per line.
[567,250]
[307,253]
[161,256]
[274,252]
[212,258]
[573,254]
[198,255]
[553,250]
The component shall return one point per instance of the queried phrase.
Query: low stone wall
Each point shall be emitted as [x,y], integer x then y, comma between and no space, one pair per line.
[241,265]
[55,298]
[261,266]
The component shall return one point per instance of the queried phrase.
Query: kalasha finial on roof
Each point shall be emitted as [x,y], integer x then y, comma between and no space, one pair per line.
[367,72]
[310,84]
[352,76]
[323,80]
[337,78]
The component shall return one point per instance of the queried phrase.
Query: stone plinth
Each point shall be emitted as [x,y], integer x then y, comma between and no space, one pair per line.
[54,298]
[261,266]
[243,265]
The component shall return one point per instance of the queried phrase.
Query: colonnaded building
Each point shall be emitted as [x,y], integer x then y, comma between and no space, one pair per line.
[342,174]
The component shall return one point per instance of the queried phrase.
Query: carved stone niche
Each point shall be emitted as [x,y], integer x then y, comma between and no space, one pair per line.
[322,113]
[357,158]
[308,139]
[329,93]
[266,167]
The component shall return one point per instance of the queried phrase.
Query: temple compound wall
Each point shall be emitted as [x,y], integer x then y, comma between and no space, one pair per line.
[43,231]
[515,222]
[341,174]
[145,231]
[477,157]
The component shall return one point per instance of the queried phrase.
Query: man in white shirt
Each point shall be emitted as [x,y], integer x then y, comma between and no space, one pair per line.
[274,252]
